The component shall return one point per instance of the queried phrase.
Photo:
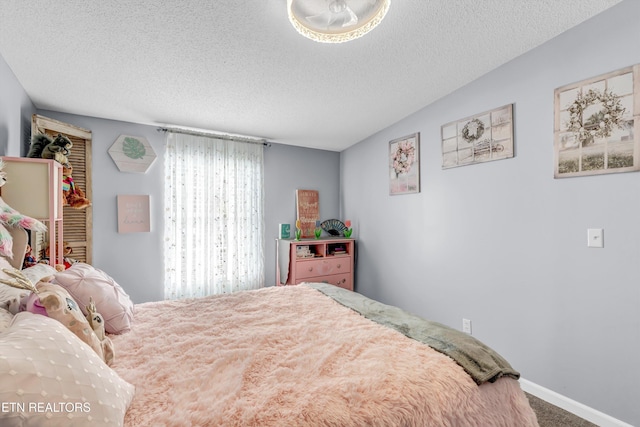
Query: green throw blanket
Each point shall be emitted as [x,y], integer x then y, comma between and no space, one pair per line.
[478,360]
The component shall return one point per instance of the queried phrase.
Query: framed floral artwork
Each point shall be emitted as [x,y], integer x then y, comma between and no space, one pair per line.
[481,138]
[596,123]
[404,165]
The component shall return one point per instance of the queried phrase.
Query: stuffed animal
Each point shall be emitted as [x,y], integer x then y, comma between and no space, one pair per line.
[67,262]
[38,142]
[72,194]
[51,300]
[42,146]
[31,302]
[29,259]
[97,324]
[12,218]
[20,281]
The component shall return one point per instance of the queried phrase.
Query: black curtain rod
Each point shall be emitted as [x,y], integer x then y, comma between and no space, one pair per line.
[216,135]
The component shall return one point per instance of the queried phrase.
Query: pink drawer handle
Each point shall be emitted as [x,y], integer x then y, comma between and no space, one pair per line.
[339,265]
[310,268]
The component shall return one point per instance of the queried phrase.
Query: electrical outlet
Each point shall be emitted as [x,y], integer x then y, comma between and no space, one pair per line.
[466,326]
[595,238]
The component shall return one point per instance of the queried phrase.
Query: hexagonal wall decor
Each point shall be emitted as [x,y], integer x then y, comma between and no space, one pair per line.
[132,154]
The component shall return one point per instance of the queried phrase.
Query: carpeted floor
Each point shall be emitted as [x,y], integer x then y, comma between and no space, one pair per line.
[552,416]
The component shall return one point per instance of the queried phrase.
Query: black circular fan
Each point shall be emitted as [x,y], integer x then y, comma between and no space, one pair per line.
[334,227]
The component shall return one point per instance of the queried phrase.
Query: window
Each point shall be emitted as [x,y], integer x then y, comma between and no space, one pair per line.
[214,222]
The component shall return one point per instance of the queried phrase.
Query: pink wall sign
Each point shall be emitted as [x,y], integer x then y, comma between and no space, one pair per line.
[133,214]
[308,210]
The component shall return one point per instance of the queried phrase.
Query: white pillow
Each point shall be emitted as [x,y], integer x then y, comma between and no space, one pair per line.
[83,281]
[5,319]
[38,272]
[50,377]
[9,296]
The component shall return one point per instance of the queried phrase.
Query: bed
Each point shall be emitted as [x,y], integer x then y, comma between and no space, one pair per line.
[304,355]
[308,355]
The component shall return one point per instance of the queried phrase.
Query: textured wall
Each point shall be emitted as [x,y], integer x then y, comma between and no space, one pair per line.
[503,243]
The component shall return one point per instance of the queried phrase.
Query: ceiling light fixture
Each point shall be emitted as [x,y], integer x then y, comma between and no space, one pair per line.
[336,21]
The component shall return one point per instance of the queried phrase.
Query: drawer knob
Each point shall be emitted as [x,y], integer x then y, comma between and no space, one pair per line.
[339,265]
[310,268]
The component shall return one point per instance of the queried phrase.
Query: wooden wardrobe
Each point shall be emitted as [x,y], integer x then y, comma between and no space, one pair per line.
[77,223]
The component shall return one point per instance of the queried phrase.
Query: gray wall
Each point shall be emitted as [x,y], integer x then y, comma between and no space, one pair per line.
[135,260]
[503,243]
[290,168]
[15,113]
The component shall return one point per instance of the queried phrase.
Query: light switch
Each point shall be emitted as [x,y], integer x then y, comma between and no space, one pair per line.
[595,238]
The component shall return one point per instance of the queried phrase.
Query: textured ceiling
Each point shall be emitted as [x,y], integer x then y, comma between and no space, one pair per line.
[239,67]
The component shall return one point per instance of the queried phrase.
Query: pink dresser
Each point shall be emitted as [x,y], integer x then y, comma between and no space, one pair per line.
[309,260]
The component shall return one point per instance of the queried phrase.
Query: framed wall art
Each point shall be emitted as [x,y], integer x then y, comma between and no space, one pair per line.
[404,165]
[132,154]
[481,138]
[596,125]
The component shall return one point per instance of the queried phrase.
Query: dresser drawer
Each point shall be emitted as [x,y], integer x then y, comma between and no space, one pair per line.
[322,267]
[342,280]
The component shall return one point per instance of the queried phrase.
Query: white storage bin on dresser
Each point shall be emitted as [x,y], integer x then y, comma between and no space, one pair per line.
[310,260]
[34,188]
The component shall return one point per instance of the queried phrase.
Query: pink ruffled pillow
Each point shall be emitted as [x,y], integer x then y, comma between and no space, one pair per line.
[84,281]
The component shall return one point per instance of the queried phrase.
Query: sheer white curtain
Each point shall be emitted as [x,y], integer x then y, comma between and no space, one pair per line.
[214,219]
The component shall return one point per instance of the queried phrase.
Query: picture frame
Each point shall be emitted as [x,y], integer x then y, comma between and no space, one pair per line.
[480,138]
[284,231]
[597,126]
[404,165]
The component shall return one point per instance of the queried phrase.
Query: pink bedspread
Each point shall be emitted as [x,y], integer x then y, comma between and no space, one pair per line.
[291,356]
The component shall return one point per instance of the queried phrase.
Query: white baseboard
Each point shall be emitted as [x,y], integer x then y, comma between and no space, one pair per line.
[576,408]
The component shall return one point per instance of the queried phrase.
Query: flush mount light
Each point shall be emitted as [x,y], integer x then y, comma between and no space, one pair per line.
[336,21]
